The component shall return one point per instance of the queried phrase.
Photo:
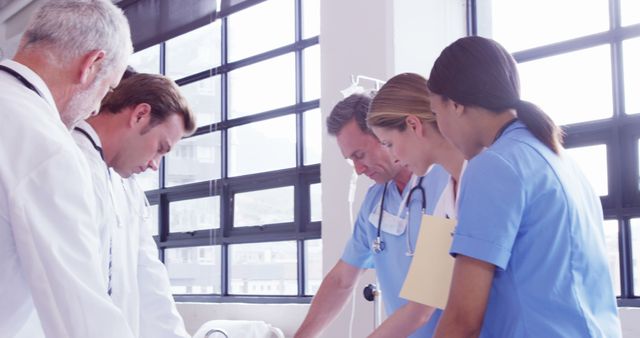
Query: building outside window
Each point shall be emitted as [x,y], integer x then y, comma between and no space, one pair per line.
[236,206]
[580,62]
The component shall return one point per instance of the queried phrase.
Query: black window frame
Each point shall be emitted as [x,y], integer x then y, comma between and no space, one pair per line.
[299,177]
[620,133]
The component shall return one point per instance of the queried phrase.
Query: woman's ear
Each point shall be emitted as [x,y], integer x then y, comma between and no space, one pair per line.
[413,122]
[458,108]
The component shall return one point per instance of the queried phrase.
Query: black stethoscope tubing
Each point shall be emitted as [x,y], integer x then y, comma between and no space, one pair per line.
[379,243]
[21,78]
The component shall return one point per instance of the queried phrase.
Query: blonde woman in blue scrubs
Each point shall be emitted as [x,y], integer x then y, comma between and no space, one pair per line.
[529,247]
[400,116]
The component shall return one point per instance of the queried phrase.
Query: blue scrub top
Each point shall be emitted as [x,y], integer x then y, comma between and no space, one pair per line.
[392,264]
[533,215]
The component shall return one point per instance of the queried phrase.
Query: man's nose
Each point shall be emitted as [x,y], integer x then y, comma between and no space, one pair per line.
[359,167]
[153,164]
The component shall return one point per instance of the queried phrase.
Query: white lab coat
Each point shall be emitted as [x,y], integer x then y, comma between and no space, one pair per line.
[140,284]
[48,237]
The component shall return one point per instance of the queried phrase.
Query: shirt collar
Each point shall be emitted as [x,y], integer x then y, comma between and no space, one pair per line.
[84,125]
[35,80]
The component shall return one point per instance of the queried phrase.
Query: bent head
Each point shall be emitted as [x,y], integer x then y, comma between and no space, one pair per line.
[90,40]
[357,143]
[400,116]
[475,72]
[154,116]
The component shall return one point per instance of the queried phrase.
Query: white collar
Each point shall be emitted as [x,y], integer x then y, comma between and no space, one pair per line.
[35,80]
[84,125]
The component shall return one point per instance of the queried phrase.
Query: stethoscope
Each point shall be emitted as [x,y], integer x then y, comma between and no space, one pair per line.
[21,78]
[113,203]
[378,244]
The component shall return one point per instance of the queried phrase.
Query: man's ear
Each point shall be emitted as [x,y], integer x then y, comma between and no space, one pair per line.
[90,65]
[140,115]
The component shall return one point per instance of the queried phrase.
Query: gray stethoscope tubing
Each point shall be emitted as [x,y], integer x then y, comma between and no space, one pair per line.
[378,243]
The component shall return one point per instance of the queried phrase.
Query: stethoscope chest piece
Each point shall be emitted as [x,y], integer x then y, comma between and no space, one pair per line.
[378,245]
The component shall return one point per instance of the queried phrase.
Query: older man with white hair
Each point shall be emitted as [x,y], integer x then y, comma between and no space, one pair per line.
[70,56]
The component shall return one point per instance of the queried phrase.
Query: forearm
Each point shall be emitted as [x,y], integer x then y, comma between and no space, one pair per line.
[332,296]
[405,321]
[324,308]
[452,326]
[468,298]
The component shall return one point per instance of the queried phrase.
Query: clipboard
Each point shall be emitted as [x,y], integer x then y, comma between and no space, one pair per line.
[429,277]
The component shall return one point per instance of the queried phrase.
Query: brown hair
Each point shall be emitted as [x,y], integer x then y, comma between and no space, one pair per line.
[476,71]
[158,91]
[403,95]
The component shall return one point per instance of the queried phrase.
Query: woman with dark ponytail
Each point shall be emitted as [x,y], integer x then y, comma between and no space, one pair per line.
[529,247]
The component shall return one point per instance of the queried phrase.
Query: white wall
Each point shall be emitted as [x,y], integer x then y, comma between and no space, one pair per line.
[630,320]
[13,21]
[422,29]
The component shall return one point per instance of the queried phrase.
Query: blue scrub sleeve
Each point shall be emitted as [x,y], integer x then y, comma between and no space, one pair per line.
[491,205]
[358,250]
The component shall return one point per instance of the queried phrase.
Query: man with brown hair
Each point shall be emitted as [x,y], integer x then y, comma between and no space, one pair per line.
[139,121]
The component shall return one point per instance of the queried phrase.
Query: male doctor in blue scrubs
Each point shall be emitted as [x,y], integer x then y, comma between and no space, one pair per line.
[347,122]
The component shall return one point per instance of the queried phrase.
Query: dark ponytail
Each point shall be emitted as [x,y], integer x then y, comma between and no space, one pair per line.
[476,71]
[540,125]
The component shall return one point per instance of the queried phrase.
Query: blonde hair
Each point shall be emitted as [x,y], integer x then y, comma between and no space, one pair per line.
[403,95]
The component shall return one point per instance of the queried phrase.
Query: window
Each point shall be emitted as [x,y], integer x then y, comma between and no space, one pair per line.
[585,73]
[236,206]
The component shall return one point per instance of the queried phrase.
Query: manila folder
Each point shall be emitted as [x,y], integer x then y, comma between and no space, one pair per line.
[430,273]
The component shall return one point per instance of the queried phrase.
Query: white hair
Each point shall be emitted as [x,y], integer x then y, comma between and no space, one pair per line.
[71,28]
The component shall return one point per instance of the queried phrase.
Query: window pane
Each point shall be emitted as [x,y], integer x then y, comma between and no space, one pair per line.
[262,146]
[630,12]
[146,60]
[316,202]
[560,84]
[312,266]
[194,52]
[194,159]
[148,179]
[635,250]
[194,270]
[311,59]
[263,269]
[312,137]
[262,86]
[631,54]
[310,18]
[639,164]
[154,219]
[592,160]
[259,28]
[263,207]
[523,24]
[613,252]
[204,99]
[195,214]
